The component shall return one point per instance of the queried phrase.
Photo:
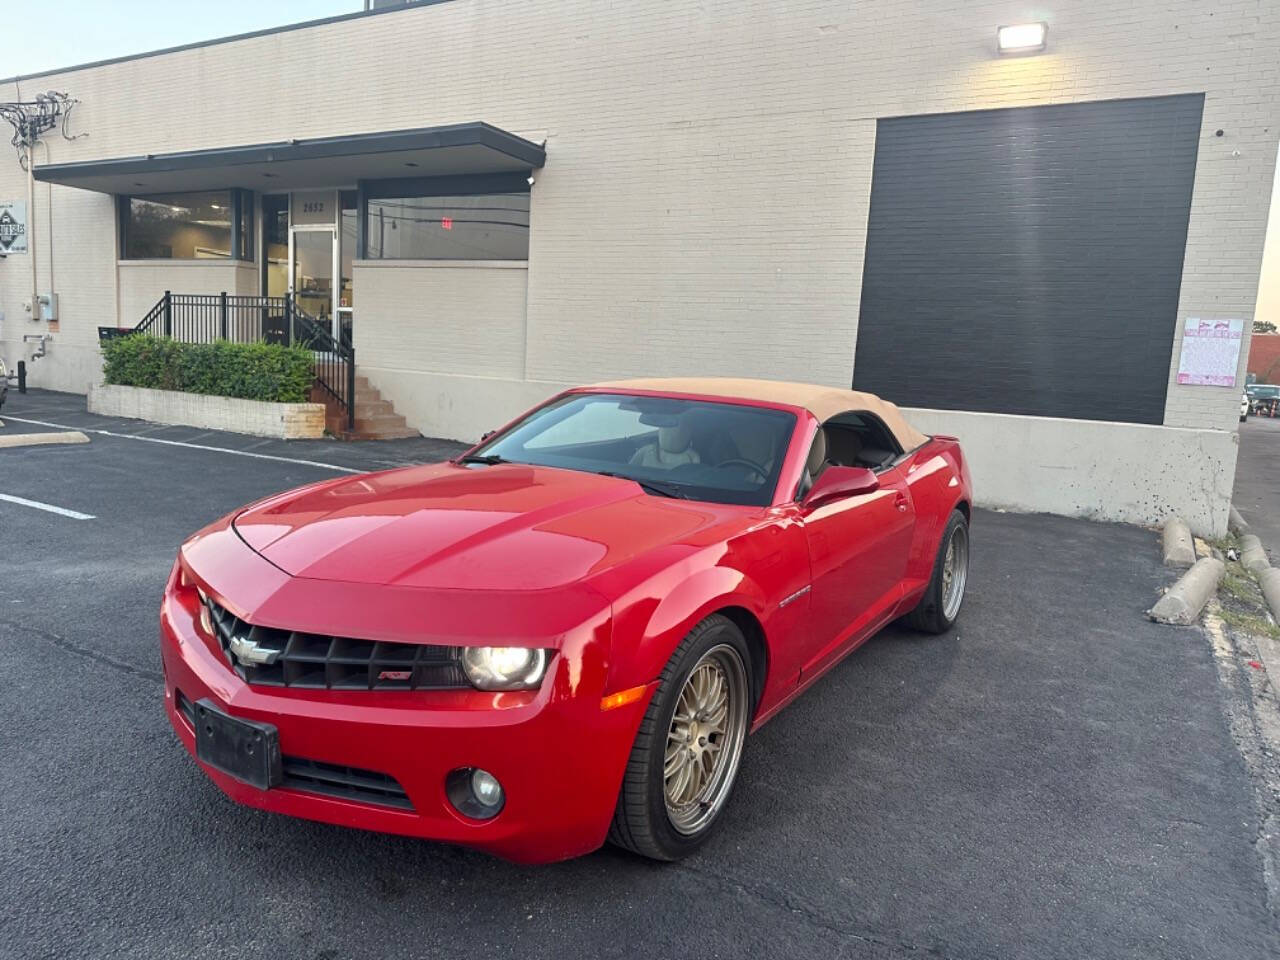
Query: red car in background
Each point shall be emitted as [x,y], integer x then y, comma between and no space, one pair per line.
[564,635]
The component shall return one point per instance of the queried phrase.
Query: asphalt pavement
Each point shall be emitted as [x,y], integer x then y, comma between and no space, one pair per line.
[1057,778]
[1257,487]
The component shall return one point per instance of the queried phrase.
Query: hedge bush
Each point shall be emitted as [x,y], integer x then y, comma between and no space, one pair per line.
[250,371]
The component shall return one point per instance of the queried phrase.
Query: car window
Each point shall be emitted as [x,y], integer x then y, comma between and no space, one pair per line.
[697,449]
[590,422]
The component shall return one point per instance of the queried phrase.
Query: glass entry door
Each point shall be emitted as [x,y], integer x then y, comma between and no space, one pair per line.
[314,255]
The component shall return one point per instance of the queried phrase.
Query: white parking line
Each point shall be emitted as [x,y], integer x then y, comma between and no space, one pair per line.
[48,507]
[194,446]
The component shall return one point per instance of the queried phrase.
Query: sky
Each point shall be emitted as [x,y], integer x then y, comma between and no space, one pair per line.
[48,34]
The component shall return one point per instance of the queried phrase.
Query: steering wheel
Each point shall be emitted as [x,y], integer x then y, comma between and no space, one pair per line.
[739,461]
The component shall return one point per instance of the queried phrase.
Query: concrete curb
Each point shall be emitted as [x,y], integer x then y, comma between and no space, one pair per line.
[41,439]
[1186,598]
[1236,523]
[1179,549]
[1252,557]
[1269,581]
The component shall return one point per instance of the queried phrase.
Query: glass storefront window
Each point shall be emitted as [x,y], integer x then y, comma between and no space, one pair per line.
[275,244]
[493,226]
[211,224]
[347,248]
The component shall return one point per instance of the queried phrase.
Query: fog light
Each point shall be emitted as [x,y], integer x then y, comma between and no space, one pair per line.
[475,793]
[486,788]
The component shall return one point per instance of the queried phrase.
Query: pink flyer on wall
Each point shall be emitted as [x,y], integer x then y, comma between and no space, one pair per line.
[1210,352]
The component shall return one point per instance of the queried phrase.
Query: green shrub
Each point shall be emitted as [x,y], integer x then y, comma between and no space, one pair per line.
[250,371]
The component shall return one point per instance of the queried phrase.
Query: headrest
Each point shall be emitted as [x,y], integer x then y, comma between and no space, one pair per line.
[674,439]
[817,453]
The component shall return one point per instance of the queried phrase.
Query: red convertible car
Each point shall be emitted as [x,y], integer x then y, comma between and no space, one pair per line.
[564,635]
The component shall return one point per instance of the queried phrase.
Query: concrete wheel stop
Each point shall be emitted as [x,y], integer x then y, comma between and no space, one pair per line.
[1179,547]
[1183,601]
[8,440]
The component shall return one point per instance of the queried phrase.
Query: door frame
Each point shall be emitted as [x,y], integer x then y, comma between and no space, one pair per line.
[334,266]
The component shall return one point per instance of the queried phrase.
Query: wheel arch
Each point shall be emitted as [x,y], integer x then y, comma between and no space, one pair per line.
[753,630]
[659,621]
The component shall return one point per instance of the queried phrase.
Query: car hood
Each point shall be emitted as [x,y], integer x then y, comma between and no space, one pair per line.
[501,527]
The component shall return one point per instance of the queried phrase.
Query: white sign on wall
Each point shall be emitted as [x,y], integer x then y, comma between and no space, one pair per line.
[1210,352]
[13,227]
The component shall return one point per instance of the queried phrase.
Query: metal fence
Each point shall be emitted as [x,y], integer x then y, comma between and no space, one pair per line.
[206,317]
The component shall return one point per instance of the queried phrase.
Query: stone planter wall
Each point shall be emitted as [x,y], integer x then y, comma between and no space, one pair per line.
[284,421]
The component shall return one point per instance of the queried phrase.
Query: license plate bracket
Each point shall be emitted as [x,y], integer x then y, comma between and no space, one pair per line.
[244,749]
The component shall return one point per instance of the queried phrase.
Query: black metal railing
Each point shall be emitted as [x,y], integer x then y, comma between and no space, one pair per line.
[206,317]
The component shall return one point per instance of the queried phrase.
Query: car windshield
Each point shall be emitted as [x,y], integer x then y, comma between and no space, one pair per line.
[1264,391]
[694,449]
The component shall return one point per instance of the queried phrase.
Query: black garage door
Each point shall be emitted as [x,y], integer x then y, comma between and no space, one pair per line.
[1028,260]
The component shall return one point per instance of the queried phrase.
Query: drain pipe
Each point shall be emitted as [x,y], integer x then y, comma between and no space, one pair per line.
[53,289]
[31,233]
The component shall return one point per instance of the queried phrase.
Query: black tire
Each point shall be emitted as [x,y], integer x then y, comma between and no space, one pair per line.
[640,821]
[930,615]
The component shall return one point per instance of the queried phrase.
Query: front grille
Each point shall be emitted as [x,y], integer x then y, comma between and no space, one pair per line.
[330,779]
[185,708]
[293,659]
[348,783]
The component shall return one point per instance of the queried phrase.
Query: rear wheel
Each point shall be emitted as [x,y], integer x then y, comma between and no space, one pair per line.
[939,608]
[689,746]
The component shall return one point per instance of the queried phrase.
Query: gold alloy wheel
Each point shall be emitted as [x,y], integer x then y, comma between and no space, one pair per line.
[955,571]
[704,743]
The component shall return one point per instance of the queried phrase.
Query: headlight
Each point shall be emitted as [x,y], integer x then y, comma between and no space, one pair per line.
[504,668]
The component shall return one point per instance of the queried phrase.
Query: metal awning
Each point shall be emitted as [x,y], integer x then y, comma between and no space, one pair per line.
[464,148]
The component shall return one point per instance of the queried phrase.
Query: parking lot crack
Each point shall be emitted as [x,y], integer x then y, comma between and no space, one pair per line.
[70,646]
[792,905]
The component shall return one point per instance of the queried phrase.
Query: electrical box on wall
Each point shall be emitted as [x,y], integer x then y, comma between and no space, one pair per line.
[48,308]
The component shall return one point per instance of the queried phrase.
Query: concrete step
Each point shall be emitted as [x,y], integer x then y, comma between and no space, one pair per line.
[373,406]
[380,421]
[405,434]
[376,417]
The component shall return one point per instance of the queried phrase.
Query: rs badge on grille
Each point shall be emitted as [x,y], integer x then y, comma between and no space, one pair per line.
[250,651]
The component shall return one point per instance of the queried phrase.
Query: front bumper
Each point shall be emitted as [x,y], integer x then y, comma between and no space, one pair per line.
[559,757]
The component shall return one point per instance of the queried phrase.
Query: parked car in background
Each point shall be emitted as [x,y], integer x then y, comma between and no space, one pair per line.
[565,634]
[1264,399]
[1244,407]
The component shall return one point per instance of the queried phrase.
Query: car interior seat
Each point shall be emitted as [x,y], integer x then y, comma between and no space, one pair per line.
[816,461]
[844,446]
[674,448]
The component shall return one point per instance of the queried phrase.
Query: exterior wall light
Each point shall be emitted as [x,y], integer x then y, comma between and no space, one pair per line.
[1022,38]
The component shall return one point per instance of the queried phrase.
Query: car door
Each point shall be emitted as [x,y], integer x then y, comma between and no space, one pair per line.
[858,549]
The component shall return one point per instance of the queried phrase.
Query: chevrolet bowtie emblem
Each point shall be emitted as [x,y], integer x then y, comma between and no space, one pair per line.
[250,651]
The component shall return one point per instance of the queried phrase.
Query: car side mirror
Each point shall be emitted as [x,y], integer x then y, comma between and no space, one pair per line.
[836,483]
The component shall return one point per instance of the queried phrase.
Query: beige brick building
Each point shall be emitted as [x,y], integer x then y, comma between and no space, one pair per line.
[718,188]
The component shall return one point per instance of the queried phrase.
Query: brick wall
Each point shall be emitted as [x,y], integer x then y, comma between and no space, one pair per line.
[440,316]
[705,199]
[1264,357]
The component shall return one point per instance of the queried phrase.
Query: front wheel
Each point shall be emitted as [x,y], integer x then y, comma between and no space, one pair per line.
[940,606]
[687,751]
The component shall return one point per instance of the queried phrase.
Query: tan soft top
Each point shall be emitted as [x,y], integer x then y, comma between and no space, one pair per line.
[823,402]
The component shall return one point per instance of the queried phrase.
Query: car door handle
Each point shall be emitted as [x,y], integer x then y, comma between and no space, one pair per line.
[901,501]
